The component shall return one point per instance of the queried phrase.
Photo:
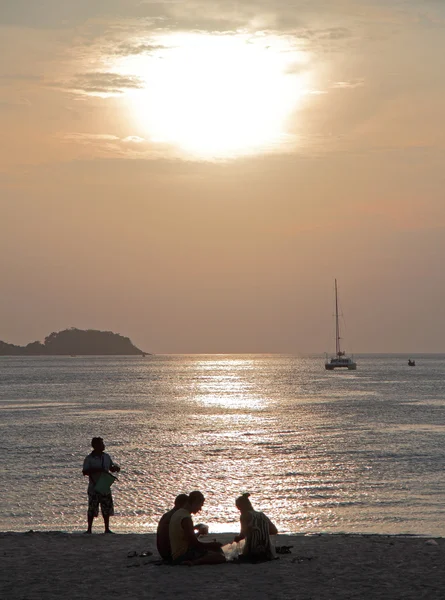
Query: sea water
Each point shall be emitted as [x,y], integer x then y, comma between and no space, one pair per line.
[319,451]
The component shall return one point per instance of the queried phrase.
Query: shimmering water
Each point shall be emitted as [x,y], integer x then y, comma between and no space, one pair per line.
[319,451]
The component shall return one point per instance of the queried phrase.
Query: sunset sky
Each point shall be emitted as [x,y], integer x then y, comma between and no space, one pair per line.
[195,174]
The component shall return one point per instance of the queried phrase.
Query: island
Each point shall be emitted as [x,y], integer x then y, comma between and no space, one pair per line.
[73,342]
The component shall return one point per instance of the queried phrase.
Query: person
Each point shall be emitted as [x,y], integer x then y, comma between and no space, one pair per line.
[256,529]
[185,547]
[162,533]
[94,465]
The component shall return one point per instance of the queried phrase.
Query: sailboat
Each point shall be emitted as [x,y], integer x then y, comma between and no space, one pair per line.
[340,360]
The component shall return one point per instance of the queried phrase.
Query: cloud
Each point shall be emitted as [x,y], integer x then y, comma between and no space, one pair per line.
[135,49]
[109,145]
[329,33]
[212,14]
[51,14]
[133,139]
[13,77]
[354,83]
[90,137]
[103,83]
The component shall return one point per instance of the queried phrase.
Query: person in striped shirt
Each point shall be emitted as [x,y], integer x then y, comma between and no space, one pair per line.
[256,529]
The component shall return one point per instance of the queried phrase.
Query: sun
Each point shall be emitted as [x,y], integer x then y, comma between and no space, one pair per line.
[217,96]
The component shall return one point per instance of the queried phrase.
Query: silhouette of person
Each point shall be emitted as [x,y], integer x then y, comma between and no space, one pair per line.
[256,529]
[162,533]
[96,463]
[185,547]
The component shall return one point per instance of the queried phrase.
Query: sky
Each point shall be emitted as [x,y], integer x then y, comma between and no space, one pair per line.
[195,174]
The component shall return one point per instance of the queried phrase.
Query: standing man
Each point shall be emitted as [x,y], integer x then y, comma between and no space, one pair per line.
[94,465]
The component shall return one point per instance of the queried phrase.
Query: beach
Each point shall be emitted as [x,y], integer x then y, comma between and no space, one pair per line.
[50,565]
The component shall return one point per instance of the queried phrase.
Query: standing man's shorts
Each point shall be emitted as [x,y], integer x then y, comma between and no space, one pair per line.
[106,504]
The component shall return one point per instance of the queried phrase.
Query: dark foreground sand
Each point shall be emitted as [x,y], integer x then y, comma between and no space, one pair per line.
[40,566]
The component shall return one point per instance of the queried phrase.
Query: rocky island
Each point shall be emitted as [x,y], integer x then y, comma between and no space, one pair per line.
[90,342]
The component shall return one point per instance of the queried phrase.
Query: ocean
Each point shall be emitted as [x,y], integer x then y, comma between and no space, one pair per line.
[357,451]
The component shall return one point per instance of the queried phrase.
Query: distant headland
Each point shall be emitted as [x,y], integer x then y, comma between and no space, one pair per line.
[69,342]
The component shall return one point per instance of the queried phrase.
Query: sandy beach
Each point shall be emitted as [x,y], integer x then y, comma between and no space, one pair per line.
[50,565]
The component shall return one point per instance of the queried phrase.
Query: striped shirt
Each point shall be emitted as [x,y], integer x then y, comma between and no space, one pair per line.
[257,536]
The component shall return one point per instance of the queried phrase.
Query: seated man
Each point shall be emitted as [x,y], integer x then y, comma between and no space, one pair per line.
[185,546]
[162,533]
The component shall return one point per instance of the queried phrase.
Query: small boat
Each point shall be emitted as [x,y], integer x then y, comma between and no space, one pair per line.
[340,360]
[411,363]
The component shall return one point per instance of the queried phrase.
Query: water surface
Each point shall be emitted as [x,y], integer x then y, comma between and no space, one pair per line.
[319,451]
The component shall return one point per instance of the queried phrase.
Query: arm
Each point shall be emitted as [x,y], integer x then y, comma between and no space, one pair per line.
[193,542]
[90,471]
[114,468]
[201,529]
[272,528]
[245,521]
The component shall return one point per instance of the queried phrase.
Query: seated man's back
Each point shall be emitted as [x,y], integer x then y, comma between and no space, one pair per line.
[162,533]
[186,549]
[178,539]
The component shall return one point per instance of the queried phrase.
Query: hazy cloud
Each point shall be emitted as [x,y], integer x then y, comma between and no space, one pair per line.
[104,83]
[133,139]
[47,14]
[129,49]
[90,137]
[13,77]
[354,83]
[207,14]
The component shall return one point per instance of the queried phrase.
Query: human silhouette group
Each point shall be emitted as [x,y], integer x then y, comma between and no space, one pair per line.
[177,537]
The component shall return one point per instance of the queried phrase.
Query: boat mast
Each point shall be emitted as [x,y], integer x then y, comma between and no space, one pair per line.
[337,329]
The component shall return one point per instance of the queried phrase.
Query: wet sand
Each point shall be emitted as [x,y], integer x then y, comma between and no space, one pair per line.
[54,565]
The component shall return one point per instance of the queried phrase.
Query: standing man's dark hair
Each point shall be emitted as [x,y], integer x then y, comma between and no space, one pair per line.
[98,465]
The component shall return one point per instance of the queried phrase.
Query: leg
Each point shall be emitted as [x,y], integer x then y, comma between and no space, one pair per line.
[209,558]
[93,510]
[90,523]
[107,508]
[107,523]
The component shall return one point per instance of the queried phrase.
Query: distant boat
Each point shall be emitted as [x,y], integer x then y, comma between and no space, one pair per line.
[340,361]
[411,363]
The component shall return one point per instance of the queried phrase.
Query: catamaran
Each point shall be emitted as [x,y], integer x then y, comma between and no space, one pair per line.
[340,360]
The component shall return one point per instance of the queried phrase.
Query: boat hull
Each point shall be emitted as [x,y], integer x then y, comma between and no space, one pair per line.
[350,365]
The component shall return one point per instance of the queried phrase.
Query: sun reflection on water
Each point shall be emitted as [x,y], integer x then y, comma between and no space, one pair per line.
[224,384]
